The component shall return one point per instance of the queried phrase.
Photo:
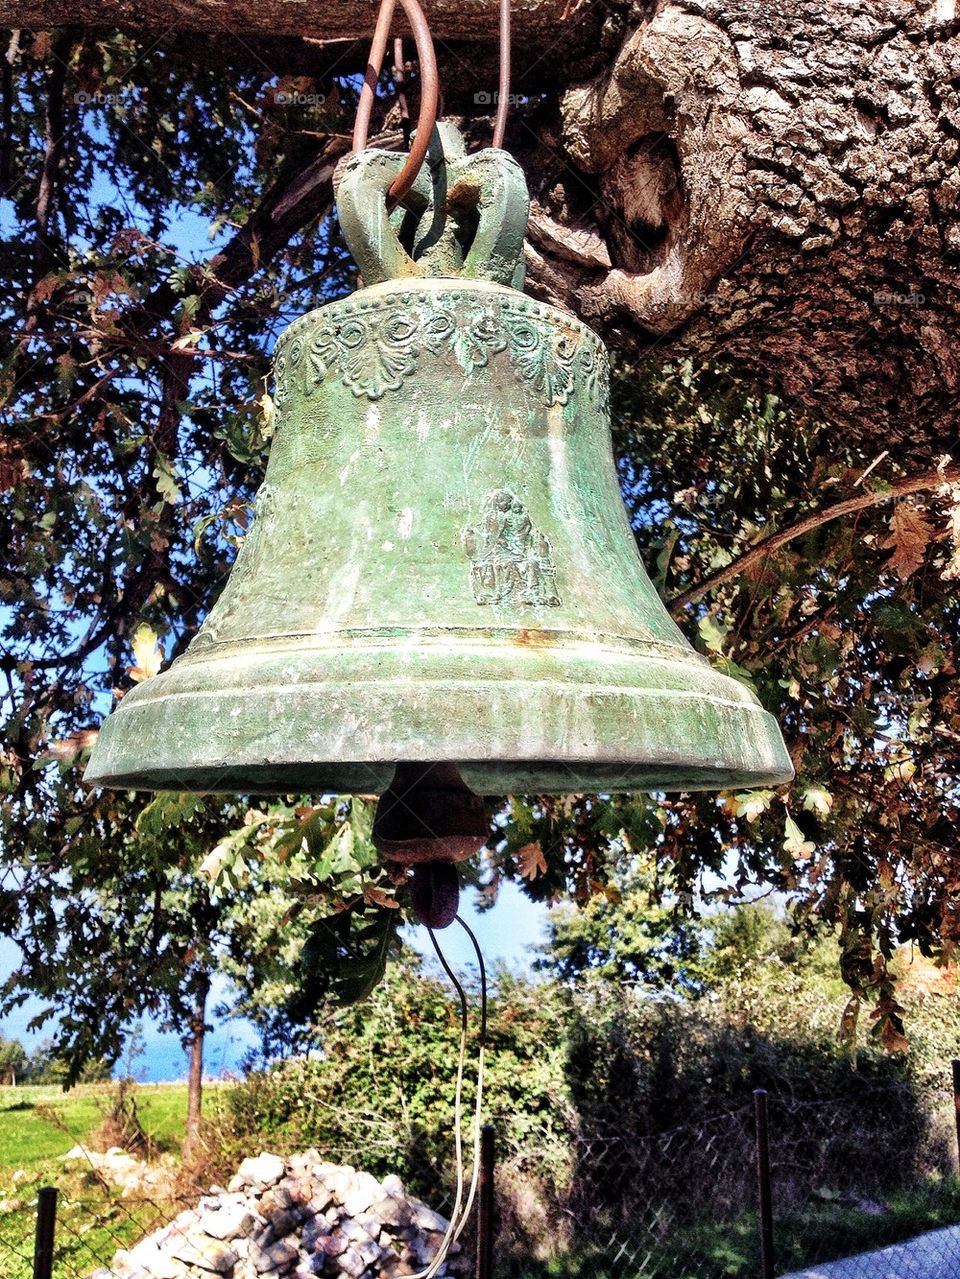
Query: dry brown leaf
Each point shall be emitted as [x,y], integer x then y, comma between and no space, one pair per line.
[893,1040]
[531,861]
[378,897]
[910,534]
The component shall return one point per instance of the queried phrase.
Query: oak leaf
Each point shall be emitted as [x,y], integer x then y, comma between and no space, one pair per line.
[531,861]
[752,803]
[794,842]
[148,656]
[910,534]
[817,800]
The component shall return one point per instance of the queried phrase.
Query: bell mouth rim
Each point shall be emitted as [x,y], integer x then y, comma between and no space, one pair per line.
[372,777]
[507,735]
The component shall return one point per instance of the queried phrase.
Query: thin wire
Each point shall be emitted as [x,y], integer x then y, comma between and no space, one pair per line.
[447,1240]
[458,1217]
[474,1181]
[503,93]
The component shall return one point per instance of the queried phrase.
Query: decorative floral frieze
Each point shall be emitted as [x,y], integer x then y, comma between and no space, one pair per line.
[374,345]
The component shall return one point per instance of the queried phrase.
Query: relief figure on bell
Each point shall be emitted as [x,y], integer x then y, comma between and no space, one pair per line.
[510,560]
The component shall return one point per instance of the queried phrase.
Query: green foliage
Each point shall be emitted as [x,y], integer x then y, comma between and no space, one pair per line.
[852,649]
[381,1092]
[757,1004]
[628,933]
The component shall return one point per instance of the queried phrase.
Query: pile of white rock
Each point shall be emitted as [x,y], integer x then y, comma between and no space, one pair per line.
[134,1178]
[296,1218]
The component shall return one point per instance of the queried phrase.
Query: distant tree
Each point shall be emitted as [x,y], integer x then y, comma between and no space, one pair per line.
[629,932]
[14,1062]
[45,1067]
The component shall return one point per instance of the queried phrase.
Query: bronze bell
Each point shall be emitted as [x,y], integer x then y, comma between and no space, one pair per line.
[441,567]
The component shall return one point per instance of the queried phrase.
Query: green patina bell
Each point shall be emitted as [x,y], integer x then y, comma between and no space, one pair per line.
[441,567]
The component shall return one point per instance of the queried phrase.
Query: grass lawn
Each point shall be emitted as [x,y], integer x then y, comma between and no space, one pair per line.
[38,1125]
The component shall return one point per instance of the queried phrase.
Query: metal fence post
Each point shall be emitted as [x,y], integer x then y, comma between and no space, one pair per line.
[764,1195]
[486,1203]
[46,1226]
[956,1102]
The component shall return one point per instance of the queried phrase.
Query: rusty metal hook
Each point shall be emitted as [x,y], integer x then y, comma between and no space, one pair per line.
[503,91]
[429,90]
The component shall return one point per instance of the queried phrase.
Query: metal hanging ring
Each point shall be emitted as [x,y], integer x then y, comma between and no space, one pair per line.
[429,90]
[503,91]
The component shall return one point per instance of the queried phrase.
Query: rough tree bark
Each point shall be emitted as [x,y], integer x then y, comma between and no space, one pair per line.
[774,186]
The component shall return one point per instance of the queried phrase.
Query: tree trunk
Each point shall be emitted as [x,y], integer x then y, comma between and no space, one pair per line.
[774,186]
[191,1136]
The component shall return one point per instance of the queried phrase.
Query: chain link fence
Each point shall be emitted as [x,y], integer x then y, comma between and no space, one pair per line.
[772,1188]
[682,1203]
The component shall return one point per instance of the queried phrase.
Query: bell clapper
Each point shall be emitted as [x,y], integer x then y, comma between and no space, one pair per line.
[429,819]
[436,893]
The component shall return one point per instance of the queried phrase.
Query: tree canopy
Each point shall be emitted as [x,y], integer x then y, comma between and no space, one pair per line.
[772,187]
[163,219]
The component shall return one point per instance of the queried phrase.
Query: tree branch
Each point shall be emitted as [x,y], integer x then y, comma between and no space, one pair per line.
[925,483]
[475,20]
[53,139]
